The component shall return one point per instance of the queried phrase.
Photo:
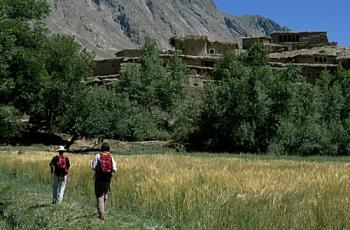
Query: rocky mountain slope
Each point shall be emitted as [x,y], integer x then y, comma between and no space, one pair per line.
[106,26]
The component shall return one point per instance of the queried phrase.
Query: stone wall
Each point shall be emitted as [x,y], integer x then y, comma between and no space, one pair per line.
[201,46]
[214,48]
[190,45]
[300,40]
[107,67]
[247,43]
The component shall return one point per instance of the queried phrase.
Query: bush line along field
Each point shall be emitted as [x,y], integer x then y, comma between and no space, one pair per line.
[180,192]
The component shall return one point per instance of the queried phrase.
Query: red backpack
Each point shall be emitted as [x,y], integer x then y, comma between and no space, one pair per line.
[61,166]
[106,163]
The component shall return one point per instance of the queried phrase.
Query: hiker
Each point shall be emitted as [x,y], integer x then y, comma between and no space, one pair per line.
[59,169]
[103,165]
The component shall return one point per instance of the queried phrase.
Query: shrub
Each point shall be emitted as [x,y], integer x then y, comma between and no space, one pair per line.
[10,125]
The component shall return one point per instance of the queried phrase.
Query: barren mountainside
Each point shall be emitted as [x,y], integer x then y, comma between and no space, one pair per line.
[106,26]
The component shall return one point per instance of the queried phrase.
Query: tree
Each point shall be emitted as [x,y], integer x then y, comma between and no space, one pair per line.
[39,72]
[255,56]
[22,34]
[280,87]
[227,67]
[235,108]
[158,89]
[10,125]
[300,132]
[332,91]
[150,84]
[67,66]
[173,89]
[342,77]
[104,113]
[143,82]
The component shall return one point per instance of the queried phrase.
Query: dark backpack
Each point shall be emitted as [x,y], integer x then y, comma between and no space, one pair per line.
[61,166]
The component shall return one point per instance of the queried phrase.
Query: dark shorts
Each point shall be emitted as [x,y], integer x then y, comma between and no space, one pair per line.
[101,188]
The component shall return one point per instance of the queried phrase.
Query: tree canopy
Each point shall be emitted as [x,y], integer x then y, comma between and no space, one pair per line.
[39,72]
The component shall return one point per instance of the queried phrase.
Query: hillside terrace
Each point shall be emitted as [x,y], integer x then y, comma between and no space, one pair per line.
[311,51]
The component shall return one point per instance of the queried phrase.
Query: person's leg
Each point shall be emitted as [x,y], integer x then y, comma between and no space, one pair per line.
[105,192]
[101,190]
[101,206]
[54,188]
[105,201]
[99,199]
[61,187]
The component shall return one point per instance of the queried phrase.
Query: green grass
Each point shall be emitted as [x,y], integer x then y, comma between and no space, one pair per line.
[26,204]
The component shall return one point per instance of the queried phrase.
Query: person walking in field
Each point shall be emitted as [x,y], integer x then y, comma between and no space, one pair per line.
[59,166]
[103,165]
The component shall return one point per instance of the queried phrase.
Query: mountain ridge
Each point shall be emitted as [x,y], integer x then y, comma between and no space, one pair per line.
[106,26]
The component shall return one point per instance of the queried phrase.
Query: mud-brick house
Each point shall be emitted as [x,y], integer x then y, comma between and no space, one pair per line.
[248,42]
[197,52]
[200,54]
[105,67]
[281,41]
[114,66]
[201,46]
[108,70]
[313,61]
[199,68]
[344,60]
[311,51]
[300,40]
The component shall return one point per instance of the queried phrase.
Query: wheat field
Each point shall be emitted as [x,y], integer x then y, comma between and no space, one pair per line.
[211,192]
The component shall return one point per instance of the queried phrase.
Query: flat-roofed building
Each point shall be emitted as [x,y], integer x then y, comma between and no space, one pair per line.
[313,61]
[201,45]
[300,40]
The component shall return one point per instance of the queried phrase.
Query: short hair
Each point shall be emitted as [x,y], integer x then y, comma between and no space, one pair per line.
[105,146]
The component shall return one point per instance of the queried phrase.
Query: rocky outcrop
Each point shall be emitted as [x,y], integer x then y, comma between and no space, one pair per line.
[106,26]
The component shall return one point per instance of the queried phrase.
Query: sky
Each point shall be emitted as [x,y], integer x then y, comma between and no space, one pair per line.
[332,16]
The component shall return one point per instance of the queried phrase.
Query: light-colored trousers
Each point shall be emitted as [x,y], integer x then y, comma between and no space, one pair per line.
[101,204]
[58,186]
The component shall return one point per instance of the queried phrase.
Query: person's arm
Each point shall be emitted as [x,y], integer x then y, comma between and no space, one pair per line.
[114,164]
[68,163]
[52,164]
[95,161]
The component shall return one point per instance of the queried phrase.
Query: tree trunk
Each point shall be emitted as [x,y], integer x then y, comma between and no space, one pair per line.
[91,148]
[70,141]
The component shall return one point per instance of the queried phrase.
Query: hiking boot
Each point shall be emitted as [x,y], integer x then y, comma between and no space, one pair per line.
[101,216]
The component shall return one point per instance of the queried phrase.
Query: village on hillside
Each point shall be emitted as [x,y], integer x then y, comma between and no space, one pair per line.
[311,51]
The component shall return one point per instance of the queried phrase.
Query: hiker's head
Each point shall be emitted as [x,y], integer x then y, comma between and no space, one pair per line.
[61,150]
[105,147]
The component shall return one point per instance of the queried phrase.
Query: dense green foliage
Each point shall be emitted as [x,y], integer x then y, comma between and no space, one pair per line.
[39,72]
[153,86]
[141,106]
[253,108]
[41,79]
[99,112]
[318,118]
[235,111]
[10,126]
[157,90]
